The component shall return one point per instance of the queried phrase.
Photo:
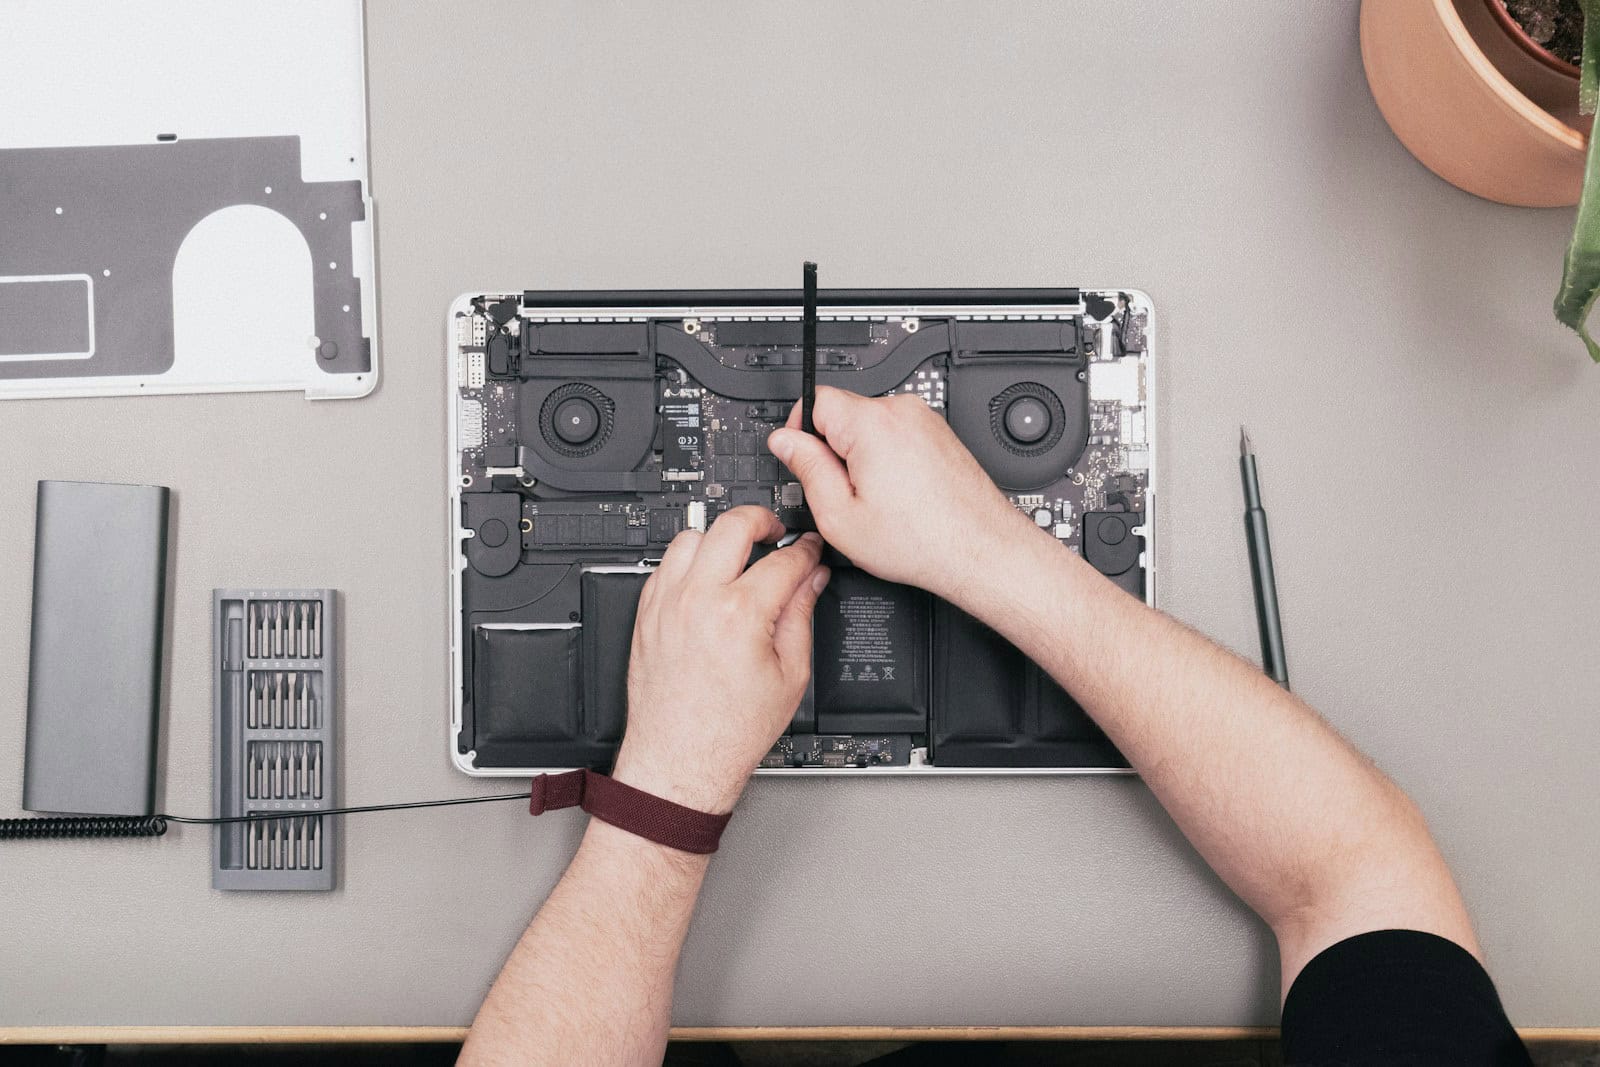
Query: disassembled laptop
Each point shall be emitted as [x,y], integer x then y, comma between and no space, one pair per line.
[588,428]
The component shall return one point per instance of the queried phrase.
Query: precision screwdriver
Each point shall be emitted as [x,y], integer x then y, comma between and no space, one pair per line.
[1273,661]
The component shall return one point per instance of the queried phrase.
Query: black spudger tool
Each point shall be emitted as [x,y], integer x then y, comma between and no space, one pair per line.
[808,355]
[1266,586]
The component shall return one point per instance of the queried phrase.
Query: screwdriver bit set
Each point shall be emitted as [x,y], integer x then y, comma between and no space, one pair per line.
[275,704]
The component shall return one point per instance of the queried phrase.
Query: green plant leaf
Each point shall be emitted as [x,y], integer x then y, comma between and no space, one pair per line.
[1580,273]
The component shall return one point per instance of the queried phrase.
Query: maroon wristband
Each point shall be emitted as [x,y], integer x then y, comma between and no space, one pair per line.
[651,817]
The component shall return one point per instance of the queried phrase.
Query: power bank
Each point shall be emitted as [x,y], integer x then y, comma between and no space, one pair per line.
[94,664]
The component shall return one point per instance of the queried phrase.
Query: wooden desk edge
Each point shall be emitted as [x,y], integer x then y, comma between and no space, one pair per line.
[254,1035]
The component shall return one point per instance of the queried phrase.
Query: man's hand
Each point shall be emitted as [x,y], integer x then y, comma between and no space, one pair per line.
[721,656]
[893,489]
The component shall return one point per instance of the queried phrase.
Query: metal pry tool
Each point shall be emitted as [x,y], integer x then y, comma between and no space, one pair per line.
[808,343]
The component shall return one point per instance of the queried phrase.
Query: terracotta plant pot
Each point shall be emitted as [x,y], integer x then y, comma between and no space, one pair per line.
[1474,105]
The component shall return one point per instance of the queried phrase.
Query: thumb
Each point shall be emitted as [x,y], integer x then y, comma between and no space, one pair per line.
[791,635]
[820,471]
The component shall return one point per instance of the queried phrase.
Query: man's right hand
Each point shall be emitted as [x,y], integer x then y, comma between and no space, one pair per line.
[1308,832]
[893,489]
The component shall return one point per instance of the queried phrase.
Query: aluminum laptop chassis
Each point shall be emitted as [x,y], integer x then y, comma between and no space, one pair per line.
[512,359]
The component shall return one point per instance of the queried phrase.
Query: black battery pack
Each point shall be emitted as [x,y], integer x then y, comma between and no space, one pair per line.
[870,658]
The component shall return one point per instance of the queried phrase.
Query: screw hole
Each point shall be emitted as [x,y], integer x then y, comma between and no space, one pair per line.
[347,307]
[333,266]
[322,215]
[58,211]
[269,190]
[106,273]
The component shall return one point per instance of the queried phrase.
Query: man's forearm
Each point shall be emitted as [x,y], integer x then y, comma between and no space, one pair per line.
[1311,835]
[591,979]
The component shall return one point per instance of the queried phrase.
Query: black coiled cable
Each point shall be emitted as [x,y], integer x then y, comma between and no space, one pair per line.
[64,826]
[69,826]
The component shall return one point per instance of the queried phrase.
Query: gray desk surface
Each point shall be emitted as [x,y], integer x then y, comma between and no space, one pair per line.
[1427,438]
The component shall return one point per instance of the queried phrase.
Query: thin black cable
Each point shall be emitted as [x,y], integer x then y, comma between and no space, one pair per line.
[268,816]
[86,826]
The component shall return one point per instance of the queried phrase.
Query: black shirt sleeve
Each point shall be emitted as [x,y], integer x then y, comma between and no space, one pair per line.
[1397,998]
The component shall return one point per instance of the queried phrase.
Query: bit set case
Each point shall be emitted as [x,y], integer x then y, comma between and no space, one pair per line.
[275,703]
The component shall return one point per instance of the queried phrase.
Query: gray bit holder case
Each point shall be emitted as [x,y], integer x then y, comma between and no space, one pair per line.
[275,701]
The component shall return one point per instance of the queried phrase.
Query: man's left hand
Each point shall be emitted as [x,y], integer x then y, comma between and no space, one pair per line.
[721,657]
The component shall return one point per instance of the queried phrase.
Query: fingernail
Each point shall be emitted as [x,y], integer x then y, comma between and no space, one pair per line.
[780,444]
[819,579]
[811,538]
